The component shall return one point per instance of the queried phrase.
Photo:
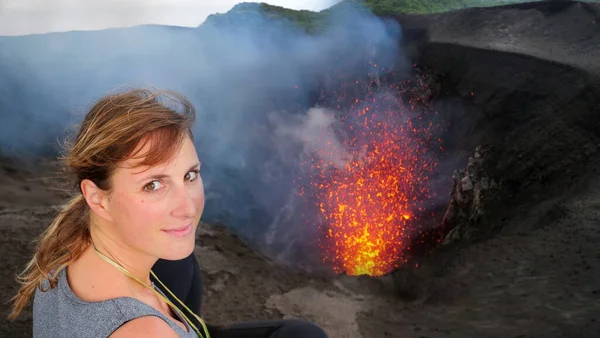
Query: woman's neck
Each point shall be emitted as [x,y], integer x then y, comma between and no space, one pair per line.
[120,257]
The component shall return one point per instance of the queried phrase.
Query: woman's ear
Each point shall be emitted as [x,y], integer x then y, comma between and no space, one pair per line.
[96,198]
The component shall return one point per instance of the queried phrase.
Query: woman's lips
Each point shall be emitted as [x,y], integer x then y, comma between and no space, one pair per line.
[181,231]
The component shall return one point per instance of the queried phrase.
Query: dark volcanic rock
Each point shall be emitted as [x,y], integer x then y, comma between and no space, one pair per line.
[472,187]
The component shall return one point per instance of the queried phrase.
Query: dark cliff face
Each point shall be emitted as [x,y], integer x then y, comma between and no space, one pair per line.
[524,81]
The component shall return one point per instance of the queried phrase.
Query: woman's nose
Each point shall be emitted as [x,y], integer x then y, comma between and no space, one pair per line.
[185,206]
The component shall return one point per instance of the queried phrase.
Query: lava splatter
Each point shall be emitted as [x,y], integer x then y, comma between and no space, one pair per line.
[370,204]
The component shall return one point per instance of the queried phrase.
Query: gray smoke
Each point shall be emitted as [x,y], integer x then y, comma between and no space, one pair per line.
[254,80]
[314,131]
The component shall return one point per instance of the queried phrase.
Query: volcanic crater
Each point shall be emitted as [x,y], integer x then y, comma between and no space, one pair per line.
[509,249]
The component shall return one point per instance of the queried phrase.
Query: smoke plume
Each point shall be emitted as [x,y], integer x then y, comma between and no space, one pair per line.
[255,81]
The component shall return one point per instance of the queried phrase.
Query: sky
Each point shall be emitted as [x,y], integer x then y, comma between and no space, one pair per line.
[21,17]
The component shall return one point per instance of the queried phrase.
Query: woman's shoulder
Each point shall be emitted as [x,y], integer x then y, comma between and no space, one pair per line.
[147,326]
[58,312]
[125,316]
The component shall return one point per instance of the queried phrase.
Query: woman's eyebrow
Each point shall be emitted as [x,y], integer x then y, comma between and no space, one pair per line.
[162,176]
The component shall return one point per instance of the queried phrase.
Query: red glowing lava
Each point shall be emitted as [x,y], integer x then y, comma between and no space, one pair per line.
[369,204]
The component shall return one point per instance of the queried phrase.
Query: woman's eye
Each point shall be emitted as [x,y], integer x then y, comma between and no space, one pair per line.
[192,175]
[152,186]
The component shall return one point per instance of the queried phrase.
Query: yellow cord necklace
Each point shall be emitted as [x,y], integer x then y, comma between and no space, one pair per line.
[160,295]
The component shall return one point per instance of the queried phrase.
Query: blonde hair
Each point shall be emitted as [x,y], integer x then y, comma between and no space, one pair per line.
[109,133]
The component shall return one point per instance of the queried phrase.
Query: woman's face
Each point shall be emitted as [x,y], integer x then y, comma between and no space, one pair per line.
[155,210]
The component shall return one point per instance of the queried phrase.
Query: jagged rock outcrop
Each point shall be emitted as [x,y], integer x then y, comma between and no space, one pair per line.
[426,86]
[472,186]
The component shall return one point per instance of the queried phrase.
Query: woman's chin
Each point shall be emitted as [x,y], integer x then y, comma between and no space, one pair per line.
[179,250]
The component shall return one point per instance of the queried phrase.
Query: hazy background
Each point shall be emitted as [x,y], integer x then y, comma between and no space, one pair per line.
[19,17]
[257,83]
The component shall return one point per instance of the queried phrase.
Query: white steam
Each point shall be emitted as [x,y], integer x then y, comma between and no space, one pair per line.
[315,132]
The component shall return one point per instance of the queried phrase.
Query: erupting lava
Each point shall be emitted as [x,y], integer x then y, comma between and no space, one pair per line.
[369,204]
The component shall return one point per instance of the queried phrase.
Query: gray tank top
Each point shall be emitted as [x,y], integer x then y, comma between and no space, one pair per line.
[60,313]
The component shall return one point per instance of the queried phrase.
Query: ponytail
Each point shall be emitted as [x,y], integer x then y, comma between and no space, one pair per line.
[60,244]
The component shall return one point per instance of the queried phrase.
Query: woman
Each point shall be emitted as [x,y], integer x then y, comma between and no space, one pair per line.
[139,198]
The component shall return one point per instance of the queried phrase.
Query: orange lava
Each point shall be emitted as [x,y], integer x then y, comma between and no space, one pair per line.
[369,204]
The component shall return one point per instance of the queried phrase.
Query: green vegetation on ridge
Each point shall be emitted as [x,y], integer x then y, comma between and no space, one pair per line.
[390,7]
[314,21]
[308,20]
